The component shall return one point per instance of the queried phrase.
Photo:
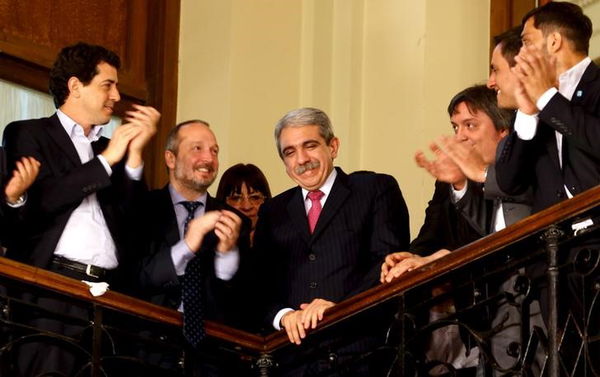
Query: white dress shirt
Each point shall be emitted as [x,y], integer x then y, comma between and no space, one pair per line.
[86,238]
[526,125]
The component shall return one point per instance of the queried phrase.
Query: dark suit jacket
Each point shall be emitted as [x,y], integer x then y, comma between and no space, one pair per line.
[363,219]
[156,232]
[63,182]
[535,162]
[451,225]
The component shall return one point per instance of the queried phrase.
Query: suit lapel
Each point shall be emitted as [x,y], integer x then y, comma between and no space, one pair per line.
[589,76]
[338,195]
[297,213]
[170,219]
[57,133]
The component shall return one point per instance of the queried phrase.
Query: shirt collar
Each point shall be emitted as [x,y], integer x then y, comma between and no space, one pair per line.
[177,198]
[73,129]
[326,188]
[575,73]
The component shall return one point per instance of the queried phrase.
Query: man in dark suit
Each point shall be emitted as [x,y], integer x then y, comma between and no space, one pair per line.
[458,212]
[172,236]
[323,241]
[191,156]
[73,223]
[554,148]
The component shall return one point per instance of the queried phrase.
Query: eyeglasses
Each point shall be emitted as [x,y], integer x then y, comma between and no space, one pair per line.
[255,198]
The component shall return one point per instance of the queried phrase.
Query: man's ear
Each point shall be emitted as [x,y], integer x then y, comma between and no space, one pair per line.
[74,86]
[555,41]
[170,159]
[334,144]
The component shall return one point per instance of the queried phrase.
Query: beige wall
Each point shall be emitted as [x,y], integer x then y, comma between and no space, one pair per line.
[384,70]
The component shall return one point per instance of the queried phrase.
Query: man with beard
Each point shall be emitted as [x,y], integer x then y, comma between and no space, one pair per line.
[181,225]
[322,242]
[554,147]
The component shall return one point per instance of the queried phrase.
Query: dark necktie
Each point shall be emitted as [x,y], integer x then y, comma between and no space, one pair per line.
[193,325]
[191,209]
[315,209]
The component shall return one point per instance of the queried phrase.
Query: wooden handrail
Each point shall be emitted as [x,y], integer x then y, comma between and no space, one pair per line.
[341,311]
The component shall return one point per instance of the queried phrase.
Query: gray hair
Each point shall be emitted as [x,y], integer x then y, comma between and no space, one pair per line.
[173,136]
[306,116]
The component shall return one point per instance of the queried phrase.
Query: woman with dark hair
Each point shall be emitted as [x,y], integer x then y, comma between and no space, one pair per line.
[245,188]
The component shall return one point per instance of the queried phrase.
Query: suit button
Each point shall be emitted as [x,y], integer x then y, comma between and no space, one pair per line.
[560,194]
[312,257]
[313,285]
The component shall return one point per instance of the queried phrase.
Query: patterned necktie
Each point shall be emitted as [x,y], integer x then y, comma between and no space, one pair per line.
[193,325]
[315,209]
[191,209]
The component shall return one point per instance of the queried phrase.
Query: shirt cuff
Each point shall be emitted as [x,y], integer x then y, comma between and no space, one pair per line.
[526,125]
[19,203]
[135,173]
[280,314]
[458,194]
[105,164]
[181,255]
[545,98]
[226,264]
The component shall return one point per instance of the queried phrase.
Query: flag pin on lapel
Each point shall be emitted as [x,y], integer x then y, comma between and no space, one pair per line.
[579,93]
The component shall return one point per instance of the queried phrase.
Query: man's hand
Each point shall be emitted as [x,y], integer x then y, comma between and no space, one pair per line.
[199,227]
[397,264]
[292,323]
[227,229]
[23,177]
[536,72]
[465,156]
[298,321]
[525,104]
[442,168]
[145,118]
[313,312]
[119,142]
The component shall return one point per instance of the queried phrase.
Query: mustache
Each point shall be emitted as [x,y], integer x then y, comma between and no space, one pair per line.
[308,166]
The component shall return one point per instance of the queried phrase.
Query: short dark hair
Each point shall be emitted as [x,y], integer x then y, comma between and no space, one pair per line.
[567,18]
[482,98]
[510,43]
[172,143]
[233,178]
[81,61]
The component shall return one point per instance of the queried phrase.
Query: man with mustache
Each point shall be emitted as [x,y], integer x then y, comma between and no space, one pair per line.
[74,220]
[324,240]
[181,223]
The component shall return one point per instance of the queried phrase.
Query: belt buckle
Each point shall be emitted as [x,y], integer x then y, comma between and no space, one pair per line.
[88,271]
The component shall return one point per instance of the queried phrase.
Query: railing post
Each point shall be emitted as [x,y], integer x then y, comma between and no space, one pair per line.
[551,237]
[97,341]
[265,364]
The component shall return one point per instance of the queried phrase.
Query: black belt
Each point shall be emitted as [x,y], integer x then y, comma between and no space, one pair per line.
[85,269]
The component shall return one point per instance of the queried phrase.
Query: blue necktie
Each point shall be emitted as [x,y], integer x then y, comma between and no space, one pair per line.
[193,325]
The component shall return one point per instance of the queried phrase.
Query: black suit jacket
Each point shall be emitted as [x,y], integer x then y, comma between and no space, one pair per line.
[450,225]
[156,232]
[364,218]
[62,183]
[524,163]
